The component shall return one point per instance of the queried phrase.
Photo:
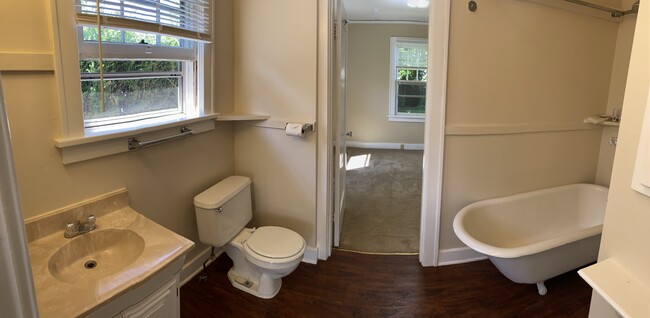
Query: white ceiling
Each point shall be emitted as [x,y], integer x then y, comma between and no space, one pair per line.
[383,10]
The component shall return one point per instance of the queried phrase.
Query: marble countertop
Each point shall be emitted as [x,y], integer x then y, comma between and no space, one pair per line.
[57,298]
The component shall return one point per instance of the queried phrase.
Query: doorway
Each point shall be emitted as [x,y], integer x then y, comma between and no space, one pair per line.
[439,17]
[427,244]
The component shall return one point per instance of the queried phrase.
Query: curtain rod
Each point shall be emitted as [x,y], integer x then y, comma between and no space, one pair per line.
[614,13]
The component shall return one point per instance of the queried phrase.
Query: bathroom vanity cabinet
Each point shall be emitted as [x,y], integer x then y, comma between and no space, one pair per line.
[128,266]
[164,302]
[157,297]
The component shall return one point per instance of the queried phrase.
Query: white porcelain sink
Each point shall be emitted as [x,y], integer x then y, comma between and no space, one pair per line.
[96,255]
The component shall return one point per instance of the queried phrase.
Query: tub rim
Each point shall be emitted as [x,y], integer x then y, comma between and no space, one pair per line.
[541,246]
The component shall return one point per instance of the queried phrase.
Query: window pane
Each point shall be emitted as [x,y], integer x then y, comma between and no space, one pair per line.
[412,56]
[139,37]
[412,89]
[130,87]
[166,40]
[422,75]
[410,105]
[130,96]
[111,35]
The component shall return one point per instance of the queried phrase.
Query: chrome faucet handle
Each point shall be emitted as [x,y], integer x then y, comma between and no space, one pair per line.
[91,221]
[70,229]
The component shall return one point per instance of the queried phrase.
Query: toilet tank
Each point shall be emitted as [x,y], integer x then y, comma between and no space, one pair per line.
[223,210]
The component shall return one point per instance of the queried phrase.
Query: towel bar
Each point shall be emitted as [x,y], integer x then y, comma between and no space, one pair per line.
[135,143]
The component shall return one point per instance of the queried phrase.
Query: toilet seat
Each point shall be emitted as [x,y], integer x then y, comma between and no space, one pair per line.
[273,244]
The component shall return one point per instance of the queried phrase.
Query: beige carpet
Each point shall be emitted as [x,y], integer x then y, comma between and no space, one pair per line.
[383,196]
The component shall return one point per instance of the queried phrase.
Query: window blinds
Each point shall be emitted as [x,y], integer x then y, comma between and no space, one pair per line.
[188,19]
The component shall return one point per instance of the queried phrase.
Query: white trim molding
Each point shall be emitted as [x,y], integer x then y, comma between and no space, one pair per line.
[387,22]
[508,129]
[26,62]
[459,255]
[17,294]
[384,145]
[434,132]
[100,145]
[311,255]
[324,144]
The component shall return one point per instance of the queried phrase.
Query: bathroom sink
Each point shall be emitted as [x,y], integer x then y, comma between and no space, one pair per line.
[96,255]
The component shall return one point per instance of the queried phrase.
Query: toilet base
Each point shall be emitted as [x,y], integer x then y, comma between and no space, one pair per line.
[252,287]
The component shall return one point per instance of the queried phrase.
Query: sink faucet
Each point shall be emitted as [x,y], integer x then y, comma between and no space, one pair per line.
[73,229]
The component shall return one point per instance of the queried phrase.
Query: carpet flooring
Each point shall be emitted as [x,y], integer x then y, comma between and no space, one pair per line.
[383,199]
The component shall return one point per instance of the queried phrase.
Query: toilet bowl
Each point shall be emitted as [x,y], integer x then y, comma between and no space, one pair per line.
[259,261]
[261,256]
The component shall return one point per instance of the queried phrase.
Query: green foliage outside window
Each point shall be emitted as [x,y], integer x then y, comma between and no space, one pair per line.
[129,96]
[127,36]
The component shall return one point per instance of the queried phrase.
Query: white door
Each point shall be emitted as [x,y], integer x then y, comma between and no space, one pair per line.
[340,133]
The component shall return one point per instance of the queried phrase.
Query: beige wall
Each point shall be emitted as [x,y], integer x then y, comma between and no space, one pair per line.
[530,65]
[616,95]
[161,180]
[627,219]
[275,74]
[368,80]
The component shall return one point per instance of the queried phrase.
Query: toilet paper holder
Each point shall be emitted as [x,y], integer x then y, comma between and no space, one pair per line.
[308,127]
[282,124]
[298,129]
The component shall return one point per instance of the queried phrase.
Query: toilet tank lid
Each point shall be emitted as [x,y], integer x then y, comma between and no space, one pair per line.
[221,192]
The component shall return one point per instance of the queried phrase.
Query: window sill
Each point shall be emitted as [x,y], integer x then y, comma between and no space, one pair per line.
[408,119]
[99,141]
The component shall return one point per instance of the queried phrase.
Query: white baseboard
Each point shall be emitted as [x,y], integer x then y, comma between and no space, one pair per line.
[311,255]
[384,145]
[194,266]
[413,146]
[458,256]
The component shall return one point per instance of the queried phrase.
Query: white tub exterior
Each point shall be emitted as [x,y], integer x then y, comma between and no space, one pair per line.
[533,236]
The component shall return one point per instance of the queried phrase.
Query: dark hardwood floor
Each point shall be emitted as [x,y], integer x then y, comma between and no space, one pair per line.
[357,285]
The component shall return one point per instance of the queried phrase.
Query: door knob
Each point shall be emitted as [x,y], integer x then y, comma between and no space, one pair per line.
[349,133]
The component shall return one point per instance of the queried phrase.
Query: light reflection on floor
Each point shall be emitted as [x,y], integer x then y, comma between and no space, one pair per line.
[357,162]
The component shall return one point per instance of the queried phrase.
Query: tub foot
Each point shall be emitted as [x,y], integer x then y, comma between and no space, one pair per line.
[541,288]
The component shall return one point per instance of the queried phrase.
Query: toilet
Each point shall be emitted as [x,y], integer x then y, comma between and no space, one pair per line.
[261,256]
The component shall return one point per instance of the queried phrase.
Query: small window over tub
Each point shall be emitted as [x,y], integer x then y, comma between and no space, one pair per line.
[408,79]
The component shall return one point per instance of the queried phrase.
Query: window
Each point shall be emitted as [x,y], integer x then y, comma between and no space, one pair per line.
[408,79]
[129,74]
[147,73]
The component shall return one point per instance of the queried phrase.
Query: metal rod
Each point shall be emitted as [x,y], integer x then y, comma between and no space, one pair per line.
[614,13]
[131,75]
[135,143]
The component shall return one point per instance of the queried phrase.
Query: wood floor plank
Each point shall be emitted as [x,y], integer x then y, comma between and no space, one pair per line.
[358,285]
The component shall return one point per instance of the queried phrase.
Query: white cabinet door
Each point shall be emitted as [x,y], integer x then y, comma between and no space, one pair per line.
[162,303]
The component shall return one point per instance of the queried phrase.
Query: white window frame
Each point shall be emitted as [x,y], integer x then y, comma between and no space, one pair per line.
[393,115]
[78,143]
[188,56]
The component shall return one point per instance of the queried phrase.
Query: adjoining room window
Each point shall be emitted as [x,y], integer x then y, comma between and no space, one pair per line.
[408,79]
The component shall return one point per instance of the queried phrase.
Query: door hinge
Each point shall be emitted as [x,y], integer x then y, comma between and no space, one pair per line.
[334,35]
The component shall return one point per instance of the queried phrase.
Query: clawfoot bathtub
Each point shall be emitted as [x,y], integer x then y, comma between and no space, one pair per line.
[531,237]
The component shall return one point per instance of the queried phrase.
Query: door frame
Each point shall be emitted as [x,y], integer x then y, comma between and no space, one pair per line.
[339,136]
[17,294]
[434,130]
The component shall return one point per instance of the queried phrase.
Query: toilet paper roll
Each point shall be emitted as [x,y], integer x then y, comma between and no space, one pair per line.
[294,129]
